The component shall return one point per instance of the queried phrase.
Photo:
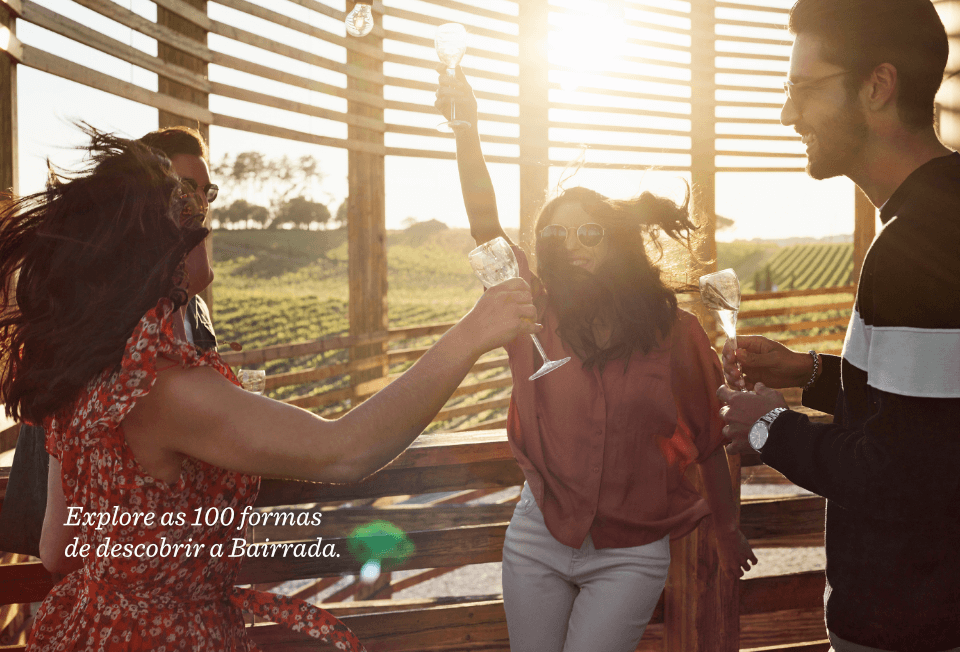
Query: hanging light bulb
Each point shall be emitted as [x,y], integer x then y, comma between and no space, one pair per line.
[359,21]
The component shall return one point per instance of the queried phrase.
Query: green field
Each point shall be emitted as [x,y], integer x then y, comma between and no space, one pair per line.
[278,287]
[808,266]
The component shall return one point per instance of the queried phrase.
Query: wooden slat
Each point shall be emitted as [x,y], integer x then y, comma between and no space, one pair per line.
[403,37]
[54,65]
[782,592]
[257,11]
[236,63]
[416,84]
[413,107]
[788,294]
[783,522]
[793,310]
[59,24]
[187,12]
[291,52]
[433,133]
[322,373]
[483,425]
[453,413]
[471,73]
[433,20]
[13,6]
[266,99]
[387,483]
[138,23]
[813,646]
[789,630]
[474,10]
[231,122]
[793,326]
[586,126]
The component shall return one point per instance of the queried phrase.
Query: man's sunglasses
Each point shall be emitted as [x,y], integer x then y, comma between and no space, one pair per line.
[210,191]
[590,235]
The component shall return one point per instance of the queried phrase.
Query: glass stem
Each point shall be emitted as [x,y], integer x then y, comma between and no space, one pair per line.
[453,103]
[543,354]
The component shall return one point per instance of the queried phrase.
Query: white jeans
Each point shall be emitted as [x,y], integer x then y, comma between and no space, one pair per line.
[561,599]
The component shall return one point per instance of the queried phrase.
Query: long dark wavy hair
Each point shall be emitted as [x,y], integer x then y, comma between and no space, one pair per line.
[627,292]
[88,256]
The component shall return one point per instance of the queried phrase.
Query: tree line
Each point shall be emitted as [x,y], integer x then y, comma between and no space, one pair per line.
[269,193]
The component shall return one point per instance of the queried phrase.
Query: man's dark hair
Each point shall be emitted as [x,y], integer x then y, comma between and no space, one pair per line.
[177,140]
[859,35]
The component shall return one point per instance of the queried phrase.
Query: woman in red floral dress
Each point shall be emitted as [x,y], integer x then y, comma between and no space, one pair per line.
[141,422]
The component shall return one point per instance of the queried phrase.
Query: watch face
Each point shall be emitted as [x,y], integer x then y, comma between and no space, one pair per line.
[758,435]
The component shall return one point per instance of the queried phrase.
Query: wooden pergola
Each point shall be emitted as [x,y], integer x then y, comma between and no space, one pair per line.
[724,91]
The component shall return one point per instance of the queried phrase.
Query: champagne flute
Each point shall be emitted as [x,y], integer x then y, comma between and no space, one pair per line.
[493,262]
[253,380]
[720,292]
[451,44]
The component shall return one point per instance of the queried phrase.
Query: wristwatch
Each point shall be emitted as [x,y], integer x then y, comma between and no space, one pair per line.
[761,429]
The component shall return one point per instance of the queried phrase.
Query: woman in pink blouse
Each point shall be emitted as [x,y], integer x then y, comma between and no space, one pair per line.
[604,440]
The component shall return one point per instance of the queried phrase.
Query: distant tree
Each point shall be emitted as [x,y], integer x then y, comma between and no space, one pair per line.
[243,213]
[341,218]
[301,212]
[409,221]
[252,177]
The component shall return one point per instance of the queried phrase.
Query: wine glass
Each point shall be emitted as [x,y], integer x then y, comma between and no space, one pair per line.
[253,380]
[720,292]
[493,262]
[451,44]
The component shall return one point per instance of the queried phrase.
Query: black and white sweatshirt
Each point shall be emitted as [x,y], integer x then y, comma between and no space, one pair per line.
[889,465]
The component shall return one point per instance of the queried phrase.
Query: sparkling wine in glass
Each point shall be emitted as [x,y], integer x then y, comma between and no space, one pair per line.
[493,262]
[451,43]
[720,292]
[253,380]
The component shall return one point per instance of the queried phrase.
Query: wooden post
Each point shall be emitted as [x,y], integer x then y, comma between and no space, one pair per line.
[701,604]
[169,54]
[9,177]
[864,228]
[534,101]
[366,213]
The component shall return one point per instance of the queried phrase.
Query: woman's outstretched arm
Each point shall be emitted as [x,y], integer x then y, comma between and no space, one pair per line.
[196,412]
[478,194]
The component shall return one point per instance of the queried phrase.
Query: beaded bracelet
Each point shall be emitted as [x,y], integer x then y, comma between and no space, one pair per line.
[816,369]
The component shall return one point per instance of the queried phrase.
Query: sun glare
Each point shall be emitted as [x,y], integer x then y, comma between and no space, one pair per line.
[586,38]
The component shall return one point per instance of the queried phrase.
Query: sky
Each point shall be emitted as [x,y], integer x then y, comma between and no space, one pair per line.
[767,205]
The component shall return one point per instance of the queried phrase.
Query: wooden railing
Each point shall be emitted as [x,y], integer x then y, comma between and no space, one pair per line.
[814,318]
[456,531]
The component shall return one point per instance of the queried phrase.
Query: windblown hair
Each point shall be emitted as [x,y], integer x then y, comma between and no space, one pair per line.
[859,35]
[177,140]
[95,251]
[627,292]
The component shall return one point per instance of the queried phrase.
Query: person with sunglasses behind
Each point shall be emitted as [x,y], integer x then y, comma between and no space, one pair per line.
[605,439]
[146,431]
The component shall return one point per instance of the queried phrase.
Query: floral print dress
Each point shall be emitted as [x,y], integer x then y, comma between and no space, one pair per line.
[130,600]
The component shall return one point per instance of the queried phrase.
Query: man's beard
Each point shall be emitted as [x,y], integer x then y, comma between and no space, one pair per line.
[838,144]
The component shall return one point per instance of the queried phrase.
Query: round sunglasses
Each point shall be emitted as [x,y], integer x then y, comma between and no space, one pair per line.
[210,191]
[589,235]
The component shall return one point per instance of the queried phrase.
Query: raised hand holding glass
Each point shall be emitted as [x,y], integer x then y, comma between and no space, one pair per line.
[451,44]
[493,262]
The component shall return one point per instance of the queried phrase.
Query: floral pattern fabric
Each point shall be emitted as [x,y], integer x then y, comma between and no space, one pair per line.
[184,599]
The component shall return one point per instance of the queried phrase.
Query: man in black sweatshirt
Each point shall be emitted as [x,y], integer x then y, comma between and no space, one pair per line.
[863,76]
